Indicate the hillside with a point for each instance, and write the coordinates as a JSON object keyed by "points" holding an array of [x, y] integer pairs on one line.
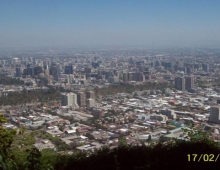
{"points": [[199, 152]]}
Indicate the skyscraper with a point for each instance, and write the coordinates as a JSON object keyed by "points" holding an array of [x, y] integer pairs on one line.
{"points": [[205, 67], [30, 70], [55, 72], [18, 72], [214, 114], [189, 82], [180, 83], [68, 69]]}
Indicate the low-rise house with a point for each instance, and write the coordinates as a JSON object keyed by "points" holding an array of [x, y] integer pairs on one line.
{"points": [[56, 132]]}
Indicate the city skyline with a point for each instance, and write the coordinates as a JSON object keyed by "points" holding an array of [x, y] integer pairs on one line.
{"points": [[109, 23]]}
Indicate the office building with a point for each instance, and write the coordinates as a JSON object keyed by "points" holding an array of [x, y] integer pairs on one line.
{"points": [[125, 77], [55, 72], [18, 72], [214, 114], [130, 76], [87, 70], [205, 67], [189, 82], [180, 83], [138, 76], [30, 70], [68, 69], [189, 70], [38, 70]]}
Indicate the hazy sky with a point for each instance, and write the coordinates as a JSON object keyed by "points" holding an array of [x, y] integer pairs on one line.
{"points": [[29, 23]]}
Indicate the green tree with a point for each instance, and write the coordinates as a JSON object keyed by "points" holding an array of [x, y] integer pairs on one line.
{"points": [[22, 130], [122, 142], [33, 159], [6, 138]]}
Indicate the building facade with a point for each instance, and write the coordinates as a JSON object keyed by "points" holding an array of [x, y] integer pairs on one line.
{"points": [[180, 83], [214, 114]]}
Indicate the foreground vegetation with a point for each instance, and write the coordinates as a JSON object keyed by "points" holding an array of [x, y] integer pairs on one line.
{"points": [[168, 155]]}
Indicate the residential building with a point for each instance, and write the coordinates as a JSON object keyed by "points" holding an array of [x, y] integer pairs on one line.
{"points": [[90, 94], [81, 98], [69, 99], [90, 102]]}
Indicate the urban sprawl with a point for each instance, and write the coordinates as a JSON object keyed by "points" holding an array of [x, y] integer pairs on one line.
{"points": [[93, 98]]}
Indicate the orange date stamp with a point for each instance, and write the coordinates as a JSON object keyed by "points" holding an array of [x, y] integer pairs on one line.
{"points": [[202, 157]]}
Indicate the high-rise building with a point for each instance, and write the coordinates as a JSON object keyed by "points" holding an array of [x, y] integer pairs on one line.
{"points": [[113, 79], [64, 99], [30, 70], [69, 99], [108, 74], [205, 67], [214, 114], [131, 61], [95, 65], [157, 63], [38, 70], [167, 64], [189, 82], [189, 70], [69, 79], [125, 77], [90, 94], [139, 76], [68, 69], [18, 72], [148, 77], [180, 83], [81, 98], [183, 69], [169, 113], [87, 70], [130, 76], [55, 72], [197, 66], [90, 102]]}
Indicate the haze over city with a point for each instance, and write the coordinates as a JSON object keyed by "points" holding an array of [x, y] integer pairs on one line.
{"points": [[106, 84], [40, 23]]}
